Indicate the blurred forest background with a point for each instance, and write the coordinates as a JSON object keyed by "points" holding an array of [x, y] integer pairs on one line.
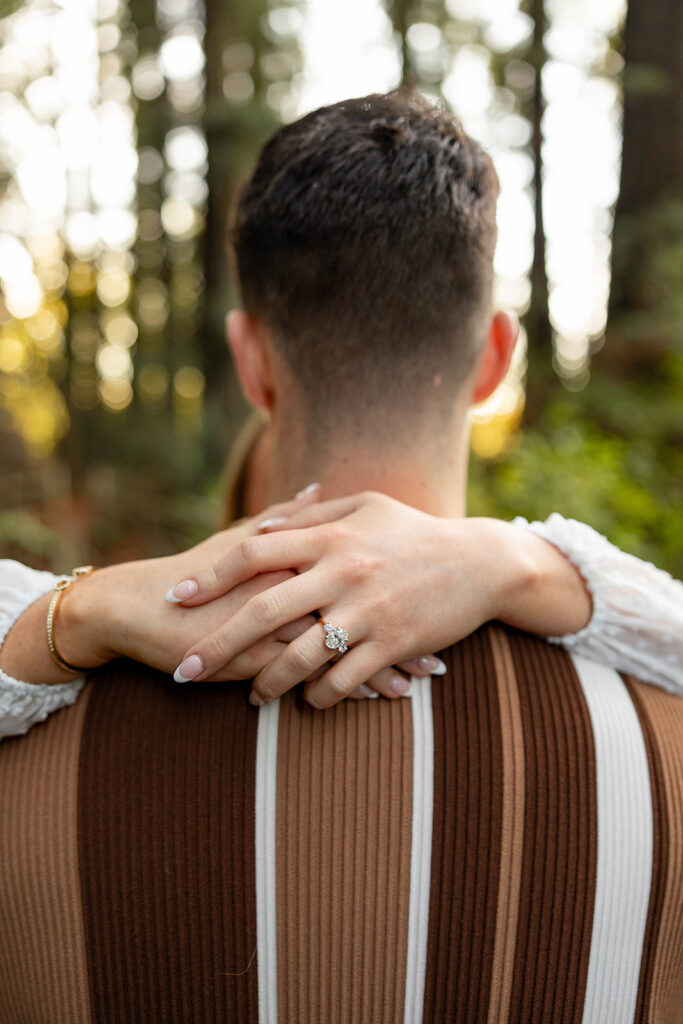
{"points": [[125, 129]]}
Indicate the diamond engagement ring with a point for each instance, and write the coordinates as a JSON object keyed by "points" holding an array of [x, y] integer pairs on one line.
{"points": [[336, 638]]}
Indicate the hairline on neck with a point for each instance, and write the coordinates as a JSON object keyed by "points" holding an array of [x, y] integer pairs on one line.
{"points": [[419, 465]]}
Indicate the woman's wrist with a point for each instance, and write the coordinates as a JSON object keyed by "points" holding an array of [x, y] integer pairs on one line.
{"points": [[543, 592], [89, 625], [497, 569], [25, 654]]}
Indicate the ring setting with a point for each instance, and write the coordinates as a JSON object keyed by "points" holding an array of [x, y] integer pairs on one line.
{"points": [[336, 638]]}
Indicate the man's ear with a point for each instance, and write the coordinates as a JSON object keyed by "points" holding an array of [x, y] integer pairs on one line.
{"points": [[495, 359], [249, 342]]}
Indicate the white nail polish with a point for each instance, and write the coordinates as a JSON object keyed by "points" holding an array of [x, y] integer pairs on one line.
{"points": [[182, 591], [277, 521], [430, 665], [192, 665], [306, 491]]}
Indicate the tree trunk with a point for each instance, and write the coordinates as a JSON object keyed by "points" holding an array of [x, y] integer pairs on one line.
{"points": [[220, 175], [398, 12], [234, 134], [540, 378], [651, 181], [652, 153]]}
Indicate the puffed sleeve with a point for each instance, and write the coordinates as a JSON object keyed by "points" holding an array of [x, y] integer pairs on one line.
{"points": [[637, 621], [24, 704]]}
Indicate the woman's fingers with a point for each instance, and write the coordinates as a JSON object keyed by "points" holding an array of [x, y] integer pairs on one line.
{"points": [[260, 616], [392, 682], [254, 555], [425, 665], [389, 682], [348, 673], [291, 630], [362, 693], [300, 659], [285, 509], [304, 658], [313, 515], [203, 585], [248, 664]]}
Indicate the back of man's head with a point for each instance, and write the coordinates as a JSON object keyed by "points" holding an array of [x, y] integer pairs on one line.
{"points": [[364, 240]]}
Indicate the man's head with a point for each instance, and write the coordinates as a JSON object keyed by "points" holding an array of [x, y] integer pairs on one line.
{"points": [[364, 243]]}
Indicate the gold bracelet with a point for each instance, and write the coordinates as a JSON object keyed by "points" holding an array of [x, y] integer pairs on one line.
{"points": [[61, 586]]}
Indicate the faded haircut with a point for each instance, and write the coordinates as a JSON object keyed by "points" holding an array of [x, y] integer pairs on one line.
{"points": [[364, 239]]}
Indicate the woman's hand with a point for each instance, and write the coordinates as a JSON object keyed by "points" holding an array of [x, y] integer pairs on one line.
{"points": [[398, 580], [115, 611]]}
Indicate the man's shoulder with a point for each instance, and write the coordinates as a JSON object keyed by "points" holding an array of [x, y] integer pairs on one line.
{"points": [[538, 673]]}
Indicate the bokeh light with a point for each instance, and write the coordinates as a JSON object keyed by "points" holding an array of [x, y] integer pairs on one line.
{"points": [[104, 206], [79, 251]]}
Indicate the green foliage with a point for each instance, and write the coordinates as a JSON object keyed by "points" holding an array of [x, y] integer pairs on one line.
{"points": [[611, 456], [22, 531]]}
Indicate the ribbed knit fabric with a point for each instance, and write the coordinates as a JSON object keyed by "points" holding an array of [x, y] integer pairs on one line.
{"points": [[43, 967], [166, 850], [504, 846], [660, 992]]}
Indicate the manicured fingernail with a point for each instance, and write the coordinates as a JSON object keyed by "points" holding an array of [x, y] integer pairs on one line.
{"points": [[254, 698], [188, 669], [306, 491], [400, 686], [365, 691], [181, 591], [432, 666], [277, 521]]}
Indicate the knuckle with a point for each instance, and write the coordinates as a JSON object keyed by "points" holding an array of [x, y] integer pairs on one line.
{"points": [[250, 551], [339, 685], [208, 580], [214, 651], [358, 567], [213, 581], [301, 659], [265, 689], [264, 607]]}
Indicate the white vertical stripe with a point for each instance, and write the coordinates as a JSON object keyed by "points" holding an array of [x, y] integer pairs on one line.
{"points": [[624, 863], [421, 851], [266, 918]]}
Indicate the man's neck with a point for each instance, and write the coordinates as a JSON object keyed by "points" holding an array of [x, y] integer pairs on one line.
{"points": [[430, 477]]}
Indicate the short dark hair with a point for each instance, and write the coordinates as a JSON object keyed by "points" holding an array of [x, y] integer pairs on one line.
{"points": [[364, 239]]}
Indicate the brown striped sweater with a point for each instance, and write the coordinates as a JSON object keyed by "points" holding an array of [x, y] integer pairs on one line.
{"points": [[503, 847]]}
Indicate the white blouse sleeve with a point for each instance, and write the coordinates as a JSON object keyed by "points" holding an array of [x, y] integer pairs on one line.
{"points": [[637, 621], [24, 704]]}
